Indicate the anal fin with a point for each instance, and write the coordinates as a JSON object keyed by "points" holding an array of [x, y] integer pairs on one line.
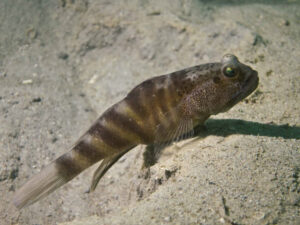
{"points": [[104, 167]]}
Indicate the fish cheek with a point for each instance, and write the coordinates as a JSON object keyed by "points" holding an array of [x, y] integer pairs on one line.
{"points": [[200, 102], [227, 95], [218, 95]]}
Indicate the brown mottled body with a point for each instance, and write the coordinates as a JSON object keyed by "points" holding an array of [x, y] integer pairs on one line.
{"points": [[157, 111]]}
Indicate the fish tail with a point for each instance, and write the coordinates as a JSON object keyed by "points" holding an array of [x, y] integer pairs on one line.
{"points": [[39, 186], [84, 154], [108, 138]]}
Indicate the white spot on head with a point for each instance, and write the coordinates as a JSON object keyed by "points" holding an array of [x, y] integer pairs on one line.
{"points": [[191, 76]]}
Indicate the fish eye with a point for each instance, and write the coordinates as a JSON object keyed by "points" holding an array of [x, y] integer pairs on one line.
{"points": [[229, 71]]}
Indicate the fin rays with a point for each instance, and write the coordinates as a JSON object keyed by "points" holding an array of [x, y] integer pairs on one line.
{"points": [[166, 135], [104, 167], [39, 186]]}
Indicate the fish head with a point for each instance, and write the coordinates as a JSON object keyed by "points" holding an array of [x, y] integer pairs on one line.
{"points": [[236, 81], [226, 84]]}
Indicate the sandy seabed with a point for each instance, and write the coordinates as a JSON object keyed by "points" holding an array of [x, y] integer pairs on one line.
{"points": [[62, 63]]}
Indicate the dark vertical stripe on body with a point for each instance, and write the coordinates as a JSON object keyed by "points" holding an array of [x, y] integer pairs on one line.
{"points": [[109, 137], [150, 100], [172, 92], [162, 106], [161, 100], [135, 101], [67, 167], [126, 123], [90, 152]]}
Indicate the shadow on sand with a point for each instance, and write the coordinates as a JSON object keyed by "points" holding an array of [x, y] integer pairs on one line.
{"points": [[244, 2], [226, 127]]}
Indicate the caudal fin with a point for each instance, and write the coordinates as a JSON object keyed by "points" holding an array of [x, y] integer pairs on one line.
{"points": [[87, 151], [65, 168], [39, 186]]}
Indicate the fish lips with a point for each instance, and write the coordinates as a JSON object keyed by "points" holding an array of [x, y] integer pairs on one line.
{"points": [[249, 85], [247, 88]]}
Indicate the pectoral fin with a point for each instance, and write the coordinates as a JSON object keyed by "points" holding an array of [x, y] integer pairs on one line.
{"points": [[165, 135]]}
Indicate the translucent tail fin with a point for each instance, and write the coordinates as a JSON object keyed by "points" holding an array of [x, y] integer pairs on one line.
{"points": [[39, 186]]}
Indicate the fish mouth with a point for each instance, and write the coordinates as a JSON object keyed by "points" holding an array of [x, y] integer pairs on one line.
{"points": [[247, 88], [249, 85]]}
